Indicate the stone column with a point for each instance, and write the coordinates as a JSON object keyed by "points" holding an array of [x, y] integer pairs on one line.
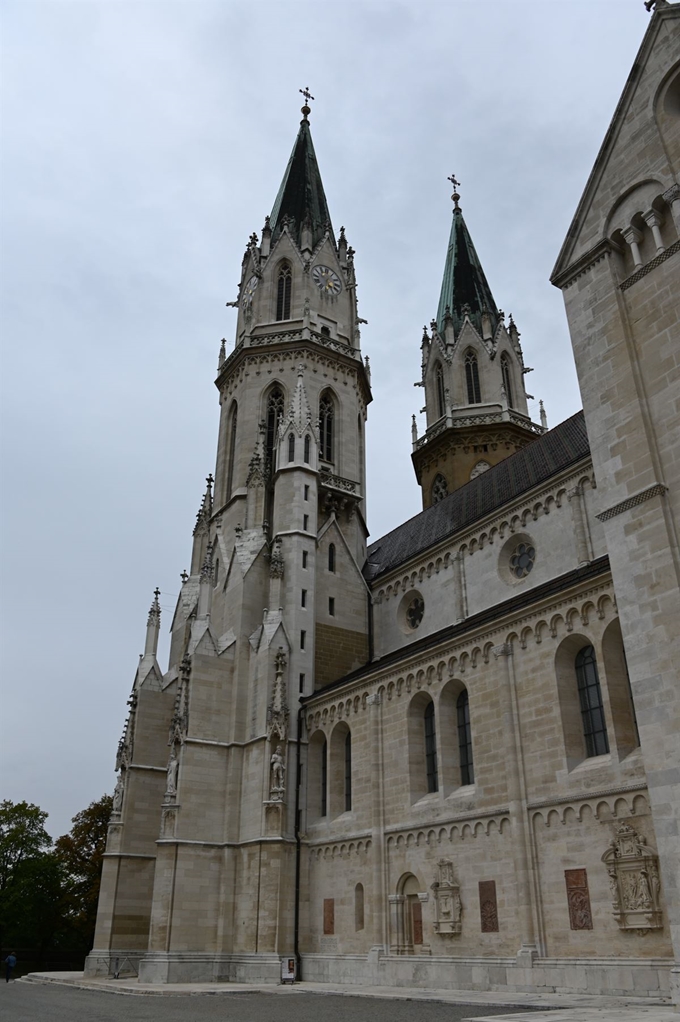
{"points": [[397, 923], [518, 810], [379, 906], [654, 221], [633, 238], [672, 197], [583, 551]]}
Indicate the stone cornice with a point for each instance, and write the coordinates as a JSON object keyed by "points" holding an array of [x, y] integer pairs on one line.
{"points": [[566, 277]]}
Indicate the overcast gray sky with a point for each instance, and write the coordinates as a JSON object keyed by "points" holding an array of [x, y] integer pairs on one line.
{"points": [[141, 144]]}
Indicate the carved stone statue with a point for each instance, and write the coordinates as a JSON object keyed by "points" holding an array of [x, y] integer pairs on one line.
{"points": [[118, 793], [173, 770], [278, 774]]}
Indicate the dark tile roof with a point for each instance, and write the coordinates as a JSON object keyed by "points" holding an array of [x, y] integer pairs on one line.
{"points": [[464, 285], [301, 194], [538, 461]]}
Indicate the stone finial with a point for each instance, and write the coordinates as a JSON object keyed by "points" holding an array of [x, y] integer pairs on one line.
{"points": [[456, 186], [544, 417], [223, 353], [184, 577]]}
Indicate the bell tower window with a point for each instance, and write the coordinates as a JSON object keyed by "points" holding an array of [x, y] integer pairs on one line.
{"points": [[326, 415], [441, 397], [474, 393], [507, 380], [283, 291]]}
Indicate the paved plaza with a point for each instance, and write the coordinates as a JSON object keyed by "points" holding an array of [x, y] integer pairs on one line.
{"points": [[67, 997]]}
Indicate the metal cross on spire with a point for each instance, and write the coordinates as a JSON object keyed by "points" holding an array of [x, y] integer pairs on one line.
{"points": [[456, 185], [306, 110]]}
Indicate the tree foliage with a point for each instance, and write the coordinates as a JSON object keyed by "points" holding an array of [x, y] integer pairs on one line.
{"points": [[48, 896]]}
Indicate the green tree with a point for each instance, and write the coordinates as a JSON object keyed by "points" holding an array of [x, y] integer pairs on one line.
{"points": [[80, 854], [22, 836]]}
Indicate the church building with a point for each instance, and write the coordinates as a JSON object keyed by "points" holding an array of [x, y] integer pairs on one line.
{"points": [[448, 757]]}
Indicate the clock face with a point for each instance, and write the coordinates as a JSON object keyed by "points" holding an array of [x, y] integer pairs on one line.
{"points": [[249, 290], [327, 280]]}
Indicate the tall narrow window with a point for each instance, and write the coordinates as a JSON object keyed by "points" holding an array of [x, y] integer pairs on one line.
{"points": [[474, 393], [348, 772], [304, 558], [324, 778], [274, 415], [359, 907], [331, 557], [283, 292], [326, 427], [431, 749], [507, 380], [303, 637], [467, 770], [439, 383], [303, 598], [232, 449], [307, 452], [592, 710], [216, 571], [331, 606], [291, 447]]}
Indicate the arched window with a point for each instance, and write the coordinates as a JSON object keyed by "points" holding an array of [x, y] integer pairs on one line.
{"points": [[439, 384], [474, 393], [307, 448], [232, 449], [467, 771], [324, 778], [331, 557], [507, 380], [440, 488], [348, 772], [430, 749], [359, 907], [592, 710], [291, 447], [274, 416], [283, 291], [326, 413]]}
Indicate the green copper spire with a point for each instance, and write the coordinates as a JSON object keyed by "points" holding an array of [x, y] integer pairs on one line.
{"points": [[464, 283], [301, 196]]}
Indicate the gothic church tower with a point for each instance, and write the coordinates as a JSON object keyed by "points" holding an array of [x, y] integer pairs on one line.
{"points": [[473, 377], [200, 873]]}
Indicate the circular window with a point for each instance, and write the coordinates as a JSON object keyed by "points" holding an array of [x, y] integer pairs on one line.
{"points": [[411, 611], [517, 558], [522, 560]]}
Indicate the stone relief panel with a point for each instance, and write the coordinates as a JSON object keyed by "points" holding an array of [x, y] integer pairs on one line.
{"points": [[448, 908], [633, 871], [578, 899]]}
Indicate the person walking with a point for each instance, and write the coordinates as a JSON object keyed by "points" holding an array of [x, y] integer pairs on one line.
{"points": [[10, 962]]}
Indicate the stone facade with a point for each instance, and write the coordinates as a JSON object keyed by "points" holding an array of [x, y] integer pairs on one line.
{"points": [[449, 758]]}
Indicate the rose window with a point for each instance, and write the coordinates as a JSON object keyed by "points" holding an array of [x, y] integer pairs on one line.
{"points": [[439, 489], [415, 611], [522, 560]]}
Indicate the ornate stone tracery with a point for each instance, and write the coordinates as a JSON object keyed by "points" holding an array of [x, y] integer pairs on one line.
{"points": [[634, 883]]}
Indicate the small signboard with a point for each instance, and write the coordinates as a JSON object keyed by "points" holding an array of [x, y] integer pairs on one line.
{"points": [[288, 970]]}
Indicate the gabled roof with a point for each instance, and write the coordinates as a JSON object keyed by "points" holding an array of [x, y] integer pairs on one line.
{"points": [[536, 463], [464, 282], [662, 13], [301, 194]]}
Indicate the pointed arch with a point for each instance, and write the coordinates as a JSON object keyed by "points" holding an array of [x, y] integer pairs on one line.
{"points": [[439, 389], [233, 424], [291, 447], [474, 393], [331, 557], [274, 409], [284, 288], [506, 373], [327, 426]]}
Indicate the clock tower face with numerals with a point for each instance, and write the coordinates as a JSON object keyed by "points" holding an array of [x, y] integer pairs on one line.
{"points": [[327, 280], [249, 290]]}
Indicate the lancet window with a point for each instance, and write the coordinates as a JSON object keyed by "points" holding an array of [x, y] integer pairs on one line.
{"points": [[507, 379], [324, 778], [467, 770], [274, 415], [431, 749], [592, 710], [284, 287], [331, 557], [308, 447], [348, 772], [439, 384], [474, 393], [326, 417], [233, 421]]}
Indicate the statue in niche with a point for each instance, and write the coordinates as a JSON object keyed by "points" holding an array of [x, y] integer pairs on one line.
{"points": [[448, 908], [634, 884], [118, 793], [278, 775], [173, 770]]}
